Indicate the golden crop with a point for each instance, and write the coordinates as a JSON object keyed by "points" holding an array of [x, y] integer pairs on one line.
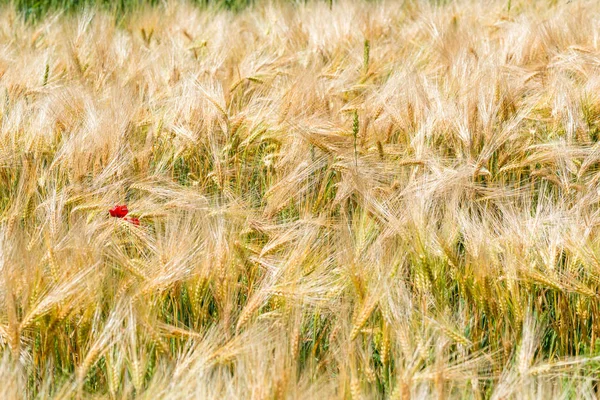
{"points": [[336, 200]]}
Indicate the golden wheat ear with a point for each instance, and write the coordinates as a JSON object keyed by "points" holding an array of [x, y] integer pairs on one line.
{"points": [[325, 199]]}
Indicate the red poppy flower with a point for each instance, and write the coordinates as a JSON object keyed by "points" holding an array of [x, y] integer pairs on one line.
{"points": [[134, 221], [118, 211]]}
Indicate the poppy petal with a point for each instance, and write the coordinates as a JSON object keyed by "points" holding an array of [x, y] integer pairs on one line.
{"points": [[118, 211], [134, 221]]}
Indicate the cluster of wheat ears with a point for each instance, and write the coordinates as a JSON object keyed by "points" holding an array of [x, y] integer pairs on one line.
{"points": [[338, 200]]}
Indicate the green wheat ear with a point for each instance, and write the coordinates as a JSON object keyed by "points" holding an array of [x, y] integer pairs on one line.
{"points": [[46, 74], [366, 54], [355, 129]]}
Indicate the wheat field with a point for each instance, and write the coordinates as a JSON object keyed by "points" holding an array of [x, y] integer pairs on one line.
{"points": [[327, 200]]}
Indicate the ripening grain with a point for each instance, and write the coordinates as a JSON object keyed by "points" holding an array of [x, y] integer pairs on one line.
{"points": [[369, 200]]}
